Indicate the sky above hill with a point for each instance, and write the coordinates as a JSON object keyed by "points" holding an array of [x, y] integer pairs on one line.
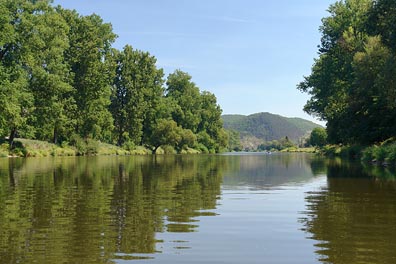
{"points": [[250, 53]]}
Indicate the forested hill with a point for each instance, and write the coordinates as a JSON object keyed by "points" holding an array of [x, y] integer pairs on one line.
{"points": [[261, 127]]}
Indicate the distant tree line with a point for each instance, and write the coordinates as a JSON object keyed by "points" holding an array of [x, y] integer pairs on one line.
{"points": [[353, 82], [62, 81], [276, 145]]}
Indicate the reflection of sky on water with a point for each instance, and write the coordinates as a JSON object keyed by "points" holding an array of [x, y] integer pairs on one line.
{"points": [[269, 171]]}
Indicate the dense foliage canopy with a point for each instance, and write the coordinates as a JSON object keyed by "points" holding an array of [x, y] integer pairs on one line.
{"points": [[353, 82], [62, 81]]}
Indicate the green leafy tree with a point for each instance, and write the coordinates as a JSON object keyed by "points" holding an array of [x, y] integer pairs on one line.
{"points": [[50, 77], [318, 137], [186, 96], [234, 140], [211, 121], [88, 57], [136, 95], [196, 111], [16, 99], [166, 132], [332, 77], [16, 102], [374, 94], [188, 140], [382, 21]]}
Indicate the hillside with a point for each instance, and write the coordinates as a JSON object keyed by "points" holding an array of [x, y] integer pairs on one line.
{"points": [[260, 127]]}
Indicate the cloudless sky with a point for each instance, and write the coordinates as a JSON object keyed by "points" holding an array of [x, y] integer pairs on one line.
{"points": [[250, 53]]}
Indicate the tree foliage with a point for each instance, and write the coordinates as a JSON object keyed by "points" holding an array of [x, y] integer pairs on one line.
{"points": [[61, 80], [318, 137], [136, 94], [352, 83], [276, 145]]}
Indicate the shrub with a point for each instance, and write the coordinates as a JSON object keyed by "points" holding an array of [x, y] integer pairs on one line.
{"points": [[4, 150], [129, 145], [92, 147], [202, 148], [392, 153], [169, 149], [351, 151], [380, 153], [368, 154]]}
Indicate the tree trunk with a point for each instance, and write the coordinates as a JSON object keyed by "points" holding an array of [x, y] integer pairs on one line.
{"points": [[55, 139], [154, 150], [11, 138]]}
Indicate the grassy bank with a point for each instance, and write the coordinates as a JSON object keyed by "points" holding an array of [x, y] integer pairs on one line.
{"points": [[383, 153], [36, 148], [300, 150]]}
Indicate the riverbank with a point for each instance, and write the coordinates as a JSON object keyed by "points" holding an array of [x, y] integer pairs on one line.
{"points": [[383, 153], [36, 148]]}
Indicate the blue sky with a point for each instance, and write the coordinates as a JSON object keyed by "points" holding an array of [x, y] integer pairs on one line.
{"points": [[250, 53]]}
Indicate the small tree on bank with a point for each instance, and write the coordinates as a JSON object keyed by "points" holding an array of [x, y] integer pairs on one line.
{"points": [[318, 137]]}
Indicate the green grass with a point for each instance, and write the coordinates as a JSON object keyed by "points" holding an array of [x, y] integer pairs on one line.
{"points": [[37, 148], [303, 150], [4, 152], [80, 147]]}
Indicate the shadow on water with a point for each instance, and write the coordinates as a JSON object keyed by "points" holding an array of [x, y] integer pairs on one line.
{"points": [[352, 218]]}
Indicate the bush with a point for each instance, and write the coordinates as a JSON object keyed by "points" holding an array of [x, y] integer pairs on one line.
{"points": [[331, 150], [368, 154], [169, 149], [129, 145], [392, 153], [79, 144], [202, 148], [354, 151], [380, 153], [92, 147], [4, 150], [84, 147], [190, 151]]}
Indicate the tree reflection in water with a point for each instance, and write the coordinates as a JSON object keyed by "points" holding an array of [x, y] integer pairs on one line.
{"points": [[94, 209], [353, 218]]}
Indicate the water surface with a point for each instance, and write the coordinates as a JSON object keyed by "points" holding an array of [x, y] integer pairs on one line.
{"points": [[280, 208]]}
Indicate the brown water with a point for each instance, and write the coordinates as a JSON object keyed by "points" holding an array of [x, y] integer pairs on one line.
{"points": [[291, 208]]}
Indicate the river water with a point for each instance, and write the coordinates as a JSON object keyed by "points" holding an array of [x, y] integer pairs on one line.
{"points": [[232, 208]]}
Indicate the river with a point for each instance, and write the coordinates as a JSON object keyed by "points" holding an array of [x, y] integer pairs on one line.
{"points": [[230, 208]]}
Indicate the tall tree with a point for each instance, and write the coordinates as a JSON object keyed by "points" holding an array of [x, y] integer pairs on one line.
{"points": [[89, 49], [136, 94], [374, 94], [343, 34], [211, 122], [16, 100], [186, 96], [49, 74], [382, 20]]}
